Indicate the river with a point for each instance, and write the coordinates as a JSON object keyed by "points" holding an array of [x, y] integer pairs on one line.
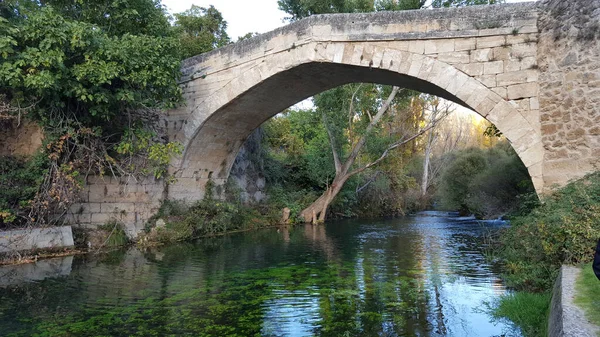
{"points": [[423, 275]]}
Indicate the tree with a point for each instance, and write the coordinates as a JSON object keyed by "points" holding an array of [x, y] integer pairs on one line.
{"points": [[435, 108], [201, 30], [345, 167], [94, 74], [299, 9]]}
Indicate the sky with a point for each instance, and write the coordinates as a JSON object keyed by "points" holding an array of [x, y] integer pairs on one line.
{"points": [[243, 16]]}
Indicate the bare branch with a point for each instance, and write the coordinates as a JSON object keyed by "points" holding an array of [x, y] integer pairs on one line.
{"points": [[372, 179], [397, 144], [361, 142], [336, 158]]}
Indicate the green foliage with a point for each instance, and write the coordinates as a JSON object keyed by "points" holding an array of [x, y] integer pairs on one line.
{"points": [[563, 230], [116, 234], [299, 9], [528, 311], [587, 294], [139, 140], [208, 217], [486, 183], [19, 181], [71, 67], [201, 30]]}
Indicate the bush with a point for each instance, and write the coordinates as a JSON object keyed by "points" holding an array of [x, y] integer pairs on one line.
{"points": [[563, 230], [486, 183], [208, 217], [20, 179], [116, 234]]}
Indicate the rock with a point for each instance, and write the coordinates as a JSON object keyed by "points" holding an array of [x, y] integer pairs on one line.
{"points": [[285, 218], [160, 223]]}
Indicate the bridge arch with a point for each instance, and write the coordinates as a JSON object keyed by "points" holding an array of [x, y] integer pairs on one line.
{"points": [[218, 126]]}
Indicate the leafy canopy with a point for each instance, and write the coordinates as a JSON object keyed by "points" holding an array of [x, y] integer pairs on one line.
{"points": [[72, 63], [201, 30]]}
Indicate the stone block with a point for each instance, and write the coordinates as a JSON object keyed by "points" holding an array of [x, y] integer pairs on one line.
{"points": [[524, 50], [101, 218], [512, 66], [501, 53], [457, 82], [460, 57], [487, 80], [426, 68], [35, 238], [416, 46], [465, 44], [471, 69], [481, 55], [534, 103], [415, 65], [516, 77], [501, 91], [490, 68], [438, 46], [523, 90], [490, 42]]}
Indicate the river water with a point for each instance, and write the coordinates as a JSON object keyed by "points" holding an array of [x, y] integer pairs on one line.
{"points": [[424, 275]]}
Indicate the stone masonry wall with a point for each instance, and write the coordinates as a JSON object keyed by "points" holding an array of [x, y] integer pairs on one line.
{"points": [[130, 202], [569, 60], [247, 171]]}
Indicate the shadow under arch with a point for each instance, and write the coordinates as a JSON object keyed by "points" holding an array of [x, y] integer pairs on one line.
{"points": [[260, 93]]}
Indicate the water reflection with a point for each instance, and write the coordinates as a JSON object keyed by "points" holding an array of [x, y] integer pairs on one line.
{"points": [[417, 276]]}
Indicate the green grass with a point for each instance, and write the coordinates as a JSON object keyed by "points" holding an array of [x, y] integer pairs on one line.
{"points": [[528, 311], [587, 295]]}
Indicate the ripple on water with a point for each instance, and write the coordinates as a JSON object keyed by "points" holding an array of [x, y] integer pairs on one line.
{"points": [[424, 275]]}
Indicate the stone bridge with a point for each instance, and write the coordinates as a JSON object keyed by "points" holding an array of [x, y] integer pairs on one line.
{"points": [[532, 69]]}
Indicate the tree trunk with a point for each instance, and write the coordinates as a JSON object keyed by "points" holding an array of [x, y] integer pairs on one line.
{"points": [[317, 211], [425, 180]]}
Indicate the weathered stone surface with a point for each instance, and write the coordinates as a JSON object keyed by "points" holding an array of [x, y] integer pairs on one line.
{"points": [[568, 53], [566, 319], [36, 238], [22, 139]]}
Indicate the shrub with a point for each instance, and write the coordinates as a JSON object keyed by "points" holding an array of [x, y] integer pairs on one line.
{"points": [[116, 234], [563, 230], [19, 182], [486, 183]]}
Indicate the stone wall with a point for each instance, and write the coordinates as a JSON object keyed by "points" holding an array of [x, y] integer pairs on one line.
{"points": [[131, 202], [22, 140], [565, 318], [35, 238], [247, 172], [569, 60]]}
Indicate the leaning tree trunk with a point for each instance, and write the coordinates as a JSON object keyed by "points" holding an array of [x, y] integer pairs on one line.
{"points": [[317, 211]]}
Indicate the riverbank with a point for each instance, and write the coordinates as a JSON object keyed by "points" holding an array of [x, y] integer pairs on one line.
{"points": [[563, 230]]}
